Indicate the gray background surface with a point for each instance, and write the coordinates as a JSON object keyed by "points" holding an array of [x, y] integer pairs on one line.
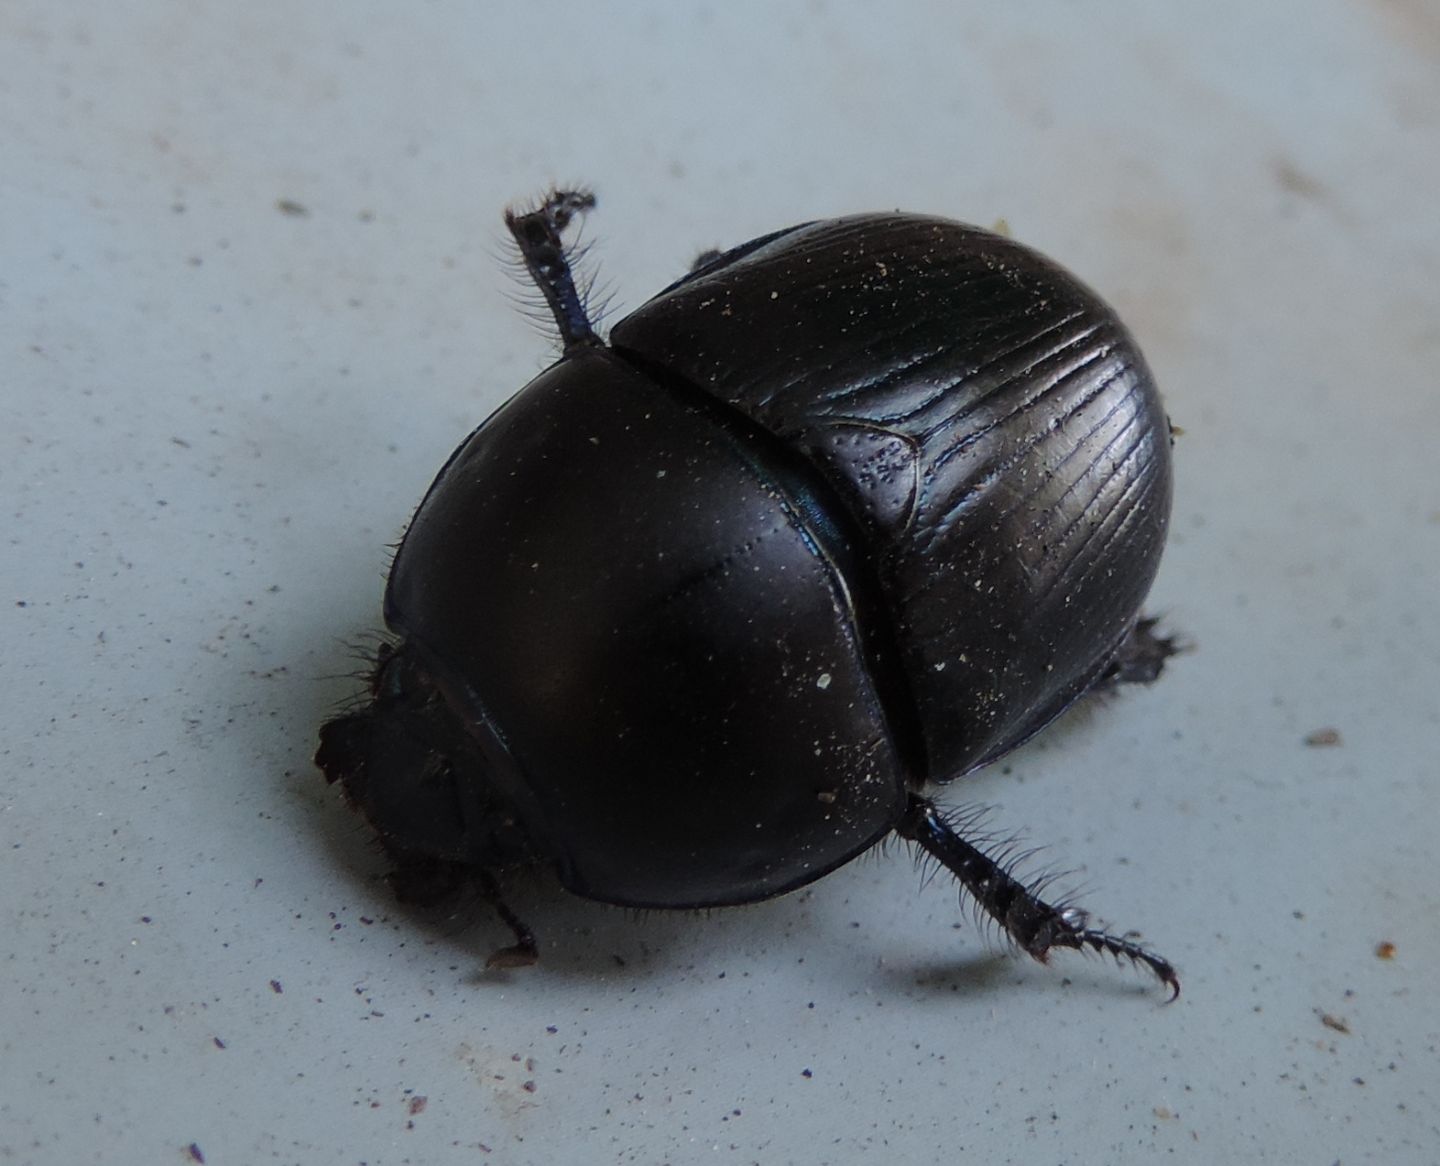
{"points": [[252, 294]]}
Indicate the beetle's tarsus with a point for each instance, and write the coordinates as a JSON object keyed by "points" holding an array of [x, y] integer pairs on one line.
{"points": [[1142, 656], [1125, 949], [1035, 925], [538, 235], [523, 953], [515, 956]]}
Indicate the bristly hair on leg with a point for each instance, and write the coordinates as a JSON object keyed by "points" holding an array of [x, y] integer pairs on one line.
{"points": [[969, 822], [527, 300], [367, 656], [1008, 853], [550, 262], [1030, 922]]}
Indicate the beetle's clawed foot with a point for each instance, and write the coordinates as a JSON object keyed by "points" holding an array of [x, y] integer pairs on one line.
{"points": [[1142, 656], [1035, 925], [517, 955], [553, 212], [1075, 934]]}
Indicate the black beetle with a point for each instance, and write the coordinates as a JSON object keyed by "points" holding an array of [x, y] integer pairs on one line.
{"points": [[695, 616]]}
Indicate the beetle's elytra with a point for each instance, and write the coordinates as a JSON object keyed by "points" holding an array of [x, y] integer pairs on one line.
{"points": [[696, 616]]}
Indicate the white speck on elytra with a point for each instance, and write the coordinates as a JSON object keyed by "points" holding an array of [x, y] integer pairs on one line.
{"points": [[823, 680]]}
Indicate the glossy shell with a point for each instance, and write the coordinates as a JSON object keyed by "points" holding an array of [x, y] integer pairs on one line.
{"points": [[661, 652], [856, 506], [984, 417]]}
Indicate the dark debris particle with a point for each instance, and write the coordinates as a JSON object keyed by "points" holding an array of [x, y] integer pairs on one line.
{"points": [[196, 1154], [1323, 737], [276, 987], [219, 1044], [1385, 950], [418, 1104], [529, 1086], [806, 1073], [288, 206], [1335, 1022]]}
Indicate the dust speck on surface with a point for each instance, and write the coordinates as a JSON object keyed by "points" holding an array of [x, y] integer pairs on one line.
{"points": [[1335, 1022], [194, 1152], [288, 206], [1294, 180], [1385, 950], [1323, 737], [418, 1104]]}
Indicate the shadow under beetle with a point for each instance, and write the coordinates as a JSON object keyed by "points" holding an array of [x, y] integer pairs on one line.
{"points": [[696, 615]]}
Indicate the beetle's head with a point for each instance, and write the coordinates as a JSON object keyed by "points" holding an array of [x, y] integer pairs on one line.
{"points": [[405, 764]]}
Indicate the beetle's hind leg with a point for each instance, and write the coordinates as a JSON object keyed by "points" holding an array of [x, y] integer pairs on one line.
{"points": [[1141, 657], [1034, 924]]}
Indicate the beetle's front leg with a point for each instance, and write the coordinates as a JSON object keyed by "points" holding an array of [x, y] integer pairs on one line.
{"points": [[522, 953], [538, 234]]}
